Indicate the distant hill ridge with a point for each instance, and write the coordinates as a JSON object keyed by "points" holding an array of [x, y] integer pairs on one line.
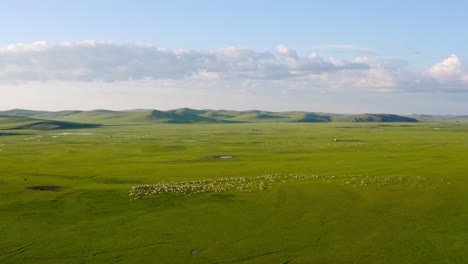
{"points": [[191, 116], [22, 122], [376, 118]]}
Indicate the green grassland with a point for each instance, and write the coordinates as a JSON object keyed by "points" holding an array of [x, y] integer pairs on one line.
{"points": [[344, 216]]}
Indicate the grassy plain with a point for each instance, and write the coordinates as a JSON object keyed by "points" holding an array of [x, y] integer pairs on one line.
{"points": [[90, 219]]}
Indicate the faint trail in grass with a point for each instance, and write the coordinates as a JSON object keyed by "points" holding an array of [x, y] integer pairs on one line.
{"points": [[322, 223], [249, 257], [19, 250], [429, 245], [136, 247], [88, 256], [60, 257], [54, 175]]}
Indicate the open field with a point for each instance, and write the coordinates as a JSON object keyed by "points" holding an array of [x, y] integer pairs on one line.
{"points": [[382, 193]]}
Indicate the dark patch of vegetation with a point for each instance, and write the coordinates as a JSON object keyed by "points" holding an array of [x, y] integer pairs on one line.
{"points": [[9, 134], [181, 116], [52, 125], [312, 117], [268, 116], [187, 111], [375, 118], [44, 188]]}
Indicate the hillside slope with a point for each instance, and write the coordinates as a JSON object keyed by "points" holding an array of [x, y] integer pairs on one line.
{"points": [[190, 116], [374, 118]]}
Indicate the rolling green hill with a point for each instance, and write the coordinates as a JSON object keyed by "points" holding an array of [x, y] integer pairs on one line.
{"points": [[56, 115], [9, 121], [255, 117], [22, 112], [310, 117], [51, 125], [182, 116], [435, 118], [190, 116], [187, 111], [375, 118], [22, 122]]}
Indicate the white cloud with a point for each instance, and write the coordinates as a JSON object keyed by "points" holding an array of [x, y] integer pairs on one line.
{"points": [[285, 51], [106, 61], [449, 70], [205, 75]]}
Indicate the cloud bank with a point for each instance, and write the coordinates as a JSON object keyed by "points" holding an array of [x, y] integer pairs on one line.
{"points": [[106, 61]]}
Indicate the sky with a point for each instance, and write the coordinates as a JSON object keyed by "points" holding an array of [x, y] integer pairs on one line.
{"points": [[399, 57]]}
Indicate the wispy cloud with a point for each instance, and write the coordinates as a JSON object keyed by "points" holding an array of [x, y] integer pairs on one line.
{"points": [[284, 68], [108, 61]]}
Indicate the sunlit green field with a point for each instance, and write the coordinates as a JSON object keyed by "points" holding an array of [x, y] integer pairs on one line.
{"points": [[332, 219]]}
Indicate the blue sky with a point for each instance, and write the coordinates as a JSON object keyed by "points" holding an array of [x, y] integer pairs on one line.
{"points": [[335, 56]]}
